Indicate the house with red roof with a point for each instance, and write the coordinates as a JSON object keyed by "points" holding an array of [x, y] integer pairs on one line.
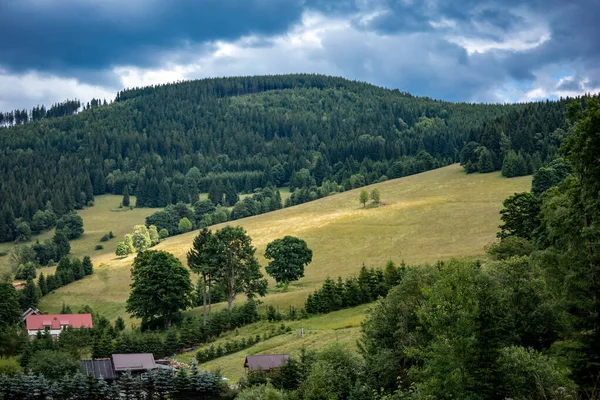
{"points": [[55, 323]]}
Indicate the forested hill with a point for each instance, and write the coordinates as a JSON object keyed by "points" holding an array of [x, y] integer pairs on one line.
{"points": [[168, 143]]}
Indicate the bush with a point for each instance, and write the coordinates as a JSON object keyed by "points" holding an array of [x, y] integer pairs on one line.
{"points": [[510, 246], [261, 392], [3, 253], [528, 374], [163, 234], [9, 366], [106, 237], [53, 364], [99, 247]]}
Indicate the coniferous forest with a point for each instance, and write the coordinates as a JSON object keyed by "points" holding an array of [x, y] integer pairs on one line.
{"points": [[166, 144]]}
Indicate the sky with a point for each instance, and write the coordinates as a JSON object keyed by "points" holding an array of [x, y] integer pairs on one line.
{"points": [[456, 50]]}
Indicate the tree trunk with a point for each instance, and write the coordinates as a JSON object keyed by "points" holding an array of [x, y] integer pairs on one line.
{"points": [[229, 302], [209, 299], [204, 304]]}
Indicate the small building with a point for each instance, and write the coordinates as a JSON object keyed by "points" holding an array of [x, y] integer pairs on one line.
{"points": [[55, 323], [265, 362], [136, 363], [99, 369]]}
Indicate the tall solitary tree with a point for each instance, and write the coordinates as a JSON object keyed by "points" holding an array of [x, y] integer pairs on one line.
{"points": [[126, 201], [363, 197], [161, 286], [375, 196], [199, 261], [10, 313], [238, 269], [288, 257]]}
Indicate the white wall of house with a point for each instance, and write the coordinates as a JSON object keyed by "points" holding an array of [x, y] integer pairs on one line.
{"points": [[53, 332]]}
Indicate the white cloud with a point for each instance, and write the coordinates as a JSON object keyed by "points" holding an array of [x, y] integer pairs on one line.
{"points": [[30, 89]]}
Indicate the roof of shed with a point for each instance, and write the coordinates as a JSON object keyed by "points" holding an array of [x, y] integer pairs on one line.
{"points": [[133, 362], [265, 362], [99, 368]]}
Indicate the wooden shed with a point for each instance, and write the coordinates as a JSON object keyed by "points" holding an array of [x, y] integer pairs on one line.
{"points": [[265, 362]]}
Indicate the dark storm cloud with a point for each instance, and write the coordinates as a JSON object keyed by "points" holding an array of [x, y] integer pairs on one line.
{"points": [[78, 35], [428, 47]]}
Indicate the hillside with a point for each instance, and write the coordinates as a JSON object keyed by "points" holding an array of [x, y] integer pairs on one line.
{"points": [[167, 144], [426, 217]]}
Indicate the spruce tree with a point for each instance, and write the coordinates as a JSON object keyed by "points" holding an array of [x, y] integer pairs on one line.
{"points": [[10, 313], [42, 284], [231, 194], [126, 201], [30, 295], [171, 345], [88, 267], [182, 385]]}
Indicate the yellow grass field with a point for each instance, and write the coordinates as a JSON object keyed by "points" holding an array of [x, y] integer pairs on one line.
{"points": [[434, 215], [98, 220]]}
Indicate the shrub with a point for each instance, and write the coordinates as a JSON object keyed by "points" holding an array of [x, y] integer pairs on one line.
{"points": [[163, 233], [99, 247], [53, 364], [105, 238], [3, 253], [9, 366], [260, 392]]}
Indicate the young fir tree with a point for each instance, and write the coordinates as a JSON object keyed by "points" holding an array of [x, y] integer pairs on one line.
{"points": [[126, 201], [42, 284], [88, 267]]}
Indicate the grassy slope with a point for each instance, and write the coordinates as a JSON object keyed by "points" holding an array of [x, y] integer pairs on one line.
{"points": [[98, 220], [341, 327], [435, 215]]}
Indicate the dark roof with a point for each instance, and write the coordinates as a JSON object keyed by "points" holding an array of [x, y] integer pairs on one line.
{"points": [[265, 362], [133, 362], [99, 368]]}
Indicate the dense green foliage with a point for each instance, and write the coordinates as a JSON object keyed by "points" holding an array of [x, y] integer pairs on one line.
{"points": [[154, 384], [367, 287], [166, 144], [226, 258], [10, 313], [287, 257], [161, 287]]}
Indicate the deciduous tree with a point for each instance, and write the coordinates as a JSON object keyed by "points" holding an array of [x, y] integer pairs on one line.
{"points": [[287, 259], [161, 286]]}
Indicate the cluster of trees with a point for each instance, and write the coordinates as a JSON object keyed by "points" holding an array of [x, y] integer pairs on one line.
{"points": [[19, 117], [67, 271], [181, 218], [189, 332], [18, 229], [353, 291], [141, 239], [235, 345], [364, 196], [154, 384], [164, 148]]}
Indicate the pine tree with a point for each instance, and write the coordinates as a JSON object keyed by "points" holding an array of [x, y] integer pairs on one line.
{"points": [[88, 267], [129, 386], [42, 284], [126, 201], [231, 194], [164, 383], [30, 295], [182, 385], [171, 345]]}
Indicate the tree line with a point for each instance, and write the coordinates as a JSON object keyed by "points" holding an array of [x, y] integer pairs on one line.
{"points": [[167, 143]]}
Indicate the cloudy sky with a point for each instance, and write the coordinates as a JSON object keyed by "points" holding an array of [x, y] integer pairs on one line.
{"points": [[459, 50]]}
